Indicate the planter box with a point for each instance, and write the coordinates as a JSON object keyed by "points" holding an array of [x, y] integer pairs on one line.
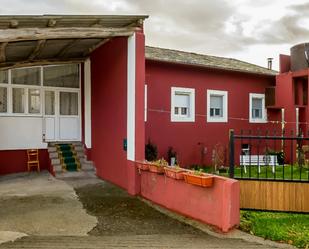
{"points": [[175, 173], [203, 180], [156, 169], [143, 166]]}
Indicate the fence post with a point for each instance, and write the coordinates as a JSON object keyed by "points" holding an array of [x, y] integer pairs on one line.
{"points": [[231, 145]]}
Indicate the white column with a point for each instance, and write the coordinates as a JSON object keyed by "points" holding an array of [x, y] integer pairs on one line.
{"points": [[87, 102], [131, 98]]}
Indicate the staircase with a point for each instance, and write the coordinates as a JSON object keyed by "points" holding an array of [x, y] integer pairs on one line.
{"points": [[68, 157]]}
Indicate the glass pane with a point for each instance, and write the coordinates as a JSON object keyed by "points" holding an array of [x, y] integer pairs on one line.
{"points": [[68, 103], [3, 99], [61, 76], [18, 100], [257, 113], [3, 76], [257, 103], [26, 76], [34, 101], [49, 103]]}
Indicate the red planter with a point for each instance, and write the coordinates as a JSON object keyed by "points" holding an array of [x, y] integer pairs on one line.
{"points": [[175, 173], [143, 165], [156, 169], [203, 180]]}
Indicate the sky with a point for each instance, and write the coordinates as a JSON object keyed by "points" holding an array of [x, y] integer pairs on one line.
{"points": [[249, 30]]}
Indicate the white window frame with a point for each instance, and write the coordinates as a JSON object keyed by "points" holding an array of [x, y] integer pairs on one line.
{"points": [[264, 113], [9, 86], [224, 117], [182, 118]]}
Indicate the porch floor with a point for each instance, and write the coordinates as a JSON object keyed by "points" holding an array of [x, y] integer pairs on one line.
{"points": [[82, 211]]}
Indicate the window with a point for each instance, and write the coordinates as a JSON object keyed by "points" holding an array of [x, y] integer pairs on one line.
{"points": [[18, 100], [3, 100], [217, 106], [49, 103], [257, 112], [34, 101], [182, 104], [26, 76], [68, 103], [62, 76]]}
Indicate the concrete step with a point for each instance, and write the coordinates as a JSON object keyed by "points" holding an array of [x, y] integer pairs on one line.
{"points": [[88, 166], [52, 149], [79, 148], [53, 155], [55, 161], [57, 168]]}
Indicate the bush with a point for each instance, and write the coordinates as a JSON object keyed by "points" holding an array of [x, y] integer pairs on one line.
{"points": [[151, 151]]}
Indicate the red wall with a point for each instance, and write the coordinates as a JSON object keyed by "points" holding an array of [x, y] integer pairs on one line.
{"points": [[15, 161], [188, 138], [108, 102], [217, 205]]}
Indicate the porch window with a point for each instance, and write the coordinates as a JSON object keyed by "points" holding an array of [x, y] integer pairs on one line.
{"points": [[217, 107], [26, 76], [182, 106], [49, 103], [4, 77], [34, 101], [68, 103], [61, 76], [257, 111], [3, 100], [18, 100]]}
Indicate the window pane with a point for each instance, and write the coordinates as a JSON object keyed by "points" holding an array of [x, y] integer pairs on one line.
{"points": [[216, 102], [18, 100], [3, 76], [257, 113], [184, 111], [49, 103], [34, 101], [68, 103], [26, 76], [257, 103], [3, 99], [176, 110], [61, 76]]}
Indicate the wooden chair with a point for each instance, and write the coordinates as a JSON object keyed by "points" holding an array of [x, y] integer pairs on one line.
{"points": [[33, 159]]}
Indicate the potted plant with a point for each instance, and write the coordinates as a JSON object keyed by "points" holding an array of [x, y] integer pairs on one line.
{"points": [[158, 166], [142, 165], [151, 151], [198, 178], [171, 154], [174, 172]]}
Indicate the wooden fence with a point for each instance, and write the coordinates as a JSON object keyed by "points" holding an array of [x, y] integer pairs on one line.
{"points": [[274, 195]]}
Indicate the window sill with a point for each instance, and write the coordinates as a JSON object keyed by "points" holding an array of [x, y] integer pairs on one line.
{"points": [[182, 119], [216, 120], [257, 121]]}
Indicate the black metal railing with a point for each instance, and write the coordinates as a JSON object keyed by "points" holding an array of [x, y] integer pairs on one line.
{"points": [[269, 155]]}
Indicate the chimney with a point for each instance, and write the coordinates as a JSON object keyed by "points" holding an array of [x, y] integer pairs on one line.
{"points": [[270, 63]]}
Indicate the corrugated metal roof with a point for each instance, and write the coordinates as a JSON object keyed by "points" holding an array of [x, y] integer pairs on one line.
{"points": [[194, 59]]}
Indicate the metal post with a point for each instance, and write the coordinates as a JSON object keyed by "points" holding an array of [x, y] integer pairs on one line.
{"points": [[231, 171]]}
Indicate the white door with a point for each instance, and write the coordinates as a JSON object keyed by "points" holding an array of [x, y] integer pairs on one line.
{"points": [[62, 115]]}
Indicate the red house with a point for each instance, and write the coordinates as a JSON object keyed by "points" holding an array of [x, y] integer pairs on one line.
{"points": [[194, 100]]}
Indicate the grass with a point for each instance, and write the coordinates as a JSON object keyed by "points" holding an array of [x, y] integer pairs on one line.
{"points": [[284, 227], [287, 172]]}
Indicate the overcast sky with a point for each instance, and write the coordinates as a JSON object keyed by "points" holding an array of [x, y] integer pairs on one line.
{"points": [[250, 30]]}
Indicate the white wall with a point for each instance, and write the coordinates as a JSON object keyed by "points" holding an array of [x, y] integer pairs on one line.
{"points": [[21, 133]]}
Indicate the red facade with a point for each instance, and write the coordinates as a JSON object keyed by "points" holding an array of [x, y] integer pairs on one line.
{"points": [[195, 141]]}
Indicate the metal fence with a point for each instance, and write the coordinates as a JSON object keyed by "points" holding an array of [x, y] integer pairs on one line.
{"points": [[269, 155]]}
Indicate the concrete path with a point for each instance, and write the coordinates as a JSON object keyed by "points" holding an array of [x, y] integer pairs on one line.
{"points": [[82, 211]]}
